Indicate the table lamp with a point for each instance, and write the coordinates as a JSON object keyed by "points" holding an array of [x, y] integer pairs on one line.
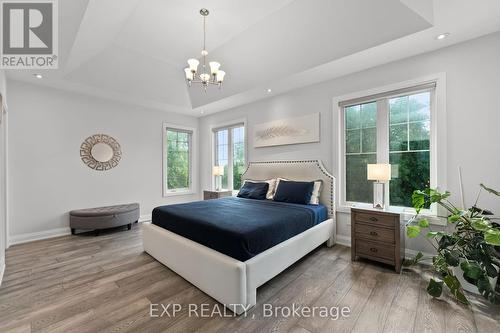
{"points": [[380, 173], [218, 172]]}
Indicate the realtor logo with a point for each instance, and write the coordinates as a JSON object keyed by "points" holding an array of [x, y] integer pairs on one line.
{"points": [[29, 34]]}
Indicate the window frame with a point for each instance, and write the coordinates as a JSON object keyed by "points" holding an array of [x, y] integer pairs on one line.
{"points": [[227, 126], [192, 163], [437, 137]]}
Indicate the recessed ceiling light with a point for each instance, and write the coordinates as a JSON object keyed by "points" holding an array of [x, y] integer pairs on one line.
{"points": [[443, 36], [269, 91], [38, 76]]}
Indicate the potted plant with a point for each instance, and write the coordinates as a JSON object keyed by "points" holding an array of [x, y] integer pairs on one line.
{"points": [[465, 251]]}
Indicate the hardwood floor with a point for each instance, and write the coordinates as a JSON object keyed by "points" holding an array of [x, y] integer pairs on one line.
{"points": [[106, 284]]}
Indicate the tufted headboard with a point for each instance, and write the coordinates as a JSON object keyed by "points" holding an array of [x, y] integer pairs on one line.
{"points": [[308, 170]]}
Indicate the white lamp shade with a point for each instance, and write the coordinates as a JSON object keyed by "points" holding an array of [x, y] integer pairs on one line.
{"points": [[218, 170], [220, 76], [214, 67], [193, 64], [189, 74], [380, 172]]}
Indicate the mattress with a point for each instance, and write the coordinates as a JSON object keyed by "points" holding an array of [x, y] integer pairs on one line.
{"points": [[240, 228]]}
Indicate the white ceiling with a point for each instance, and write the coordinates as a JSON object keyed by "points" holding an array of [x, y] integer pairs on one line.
{"points": [[134, 51]]}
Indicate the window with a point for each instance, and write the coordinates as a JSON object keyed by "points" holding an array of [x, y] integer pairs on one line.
{"points": [[390, 128], [409, 146], [229, 152], [177, 171], [361, 149]]}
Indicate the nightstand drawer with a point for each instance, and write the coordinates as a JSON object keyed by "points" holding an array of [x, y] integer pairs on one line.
{"points": [[372, 249], [374, 233], [376, 219]]}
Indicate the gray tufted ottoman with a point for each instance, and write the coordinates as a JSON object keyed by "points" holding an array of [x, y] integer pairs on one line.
{"points": [[103, 217]]}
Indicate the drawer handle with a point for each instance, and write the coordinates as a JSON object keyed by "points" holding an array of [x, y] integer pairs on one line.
{"points": [[374, 219], [373, 249], [373, 233]]}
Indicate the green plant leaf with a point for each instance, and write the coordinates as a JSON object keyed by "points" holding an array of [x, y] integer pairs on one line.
{"points": [[491, 271], [423, 223], [456, 288], [490, 190], [445, 195], [471, 270], [447, 240], [454, 218], [436, 196], [415, 260], [435, 288], [408, 262], [452, 282], [434, 234], [492, 237], [418, 200], [452, 258], [483, 285], [412, 231], [494, 298], [440, 264], [480, 224]]}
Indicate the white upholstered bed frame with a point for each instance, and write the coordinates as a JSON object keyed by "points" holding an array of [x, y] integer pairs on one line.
{"points": [[232, 282]]}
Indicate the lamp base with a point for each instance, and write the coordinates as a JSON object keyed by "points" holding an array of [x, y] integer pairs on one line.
{"points": [[218, 183], [378, 195]]}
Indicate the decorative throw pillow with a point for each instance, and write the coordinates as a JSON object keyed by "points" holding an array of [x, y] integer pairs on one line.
{"points": [[316, 190], [252, 190], [272, 186], [294, 192]]}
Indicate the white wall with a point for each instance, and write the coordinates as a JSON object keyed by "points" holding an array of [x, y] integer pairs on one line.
{"points": [[473, 116], [3, 222], [47, 176]]}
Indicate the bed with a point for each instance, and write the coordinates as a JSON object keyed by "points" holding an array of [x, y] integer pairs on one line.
{"points": [[250, 241]]}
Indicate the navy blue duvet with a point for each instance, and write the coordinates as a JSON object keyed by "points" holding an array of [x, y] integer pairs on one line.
{"points": [[240, 228]]}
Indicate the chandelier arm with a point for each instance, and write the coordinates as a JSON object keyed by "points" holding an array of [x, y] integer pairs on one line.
{"points": [[200, 81]]}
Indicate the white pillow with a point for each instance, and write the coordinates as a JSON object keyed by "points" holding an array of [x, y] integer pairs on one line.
{"points": [[271, 189], [315, 193]]}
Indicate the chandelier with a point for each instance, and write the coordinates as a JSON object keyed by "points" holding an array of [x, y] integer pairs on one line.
{"points": [[215, 76]]}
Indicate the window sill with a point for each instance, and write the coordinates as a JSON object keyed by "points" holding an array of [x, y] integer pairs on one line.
{"points": [[178, 193]]}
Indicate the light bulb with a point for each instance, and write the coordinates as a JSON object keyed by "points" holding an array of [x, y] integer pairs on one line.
{"points": [[193, 64], [205, 77], [220, 76], [214, 67]]}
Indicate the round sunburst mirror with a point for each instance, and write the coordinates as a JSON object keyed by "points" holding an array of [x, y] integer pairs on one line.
{"points": [[100, 152]]}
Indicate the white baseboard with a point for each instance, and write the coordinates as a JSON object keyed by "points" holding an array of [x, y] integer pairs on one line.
{"points": [[145, 218], [2, 270], [344, 240], [31, 237], [34, 236], [409, 253]]}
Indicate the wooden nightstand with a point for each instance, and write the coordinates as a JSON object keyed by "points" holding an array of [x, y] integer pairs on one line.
{"points": [[377, 235], [208, 195]]}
